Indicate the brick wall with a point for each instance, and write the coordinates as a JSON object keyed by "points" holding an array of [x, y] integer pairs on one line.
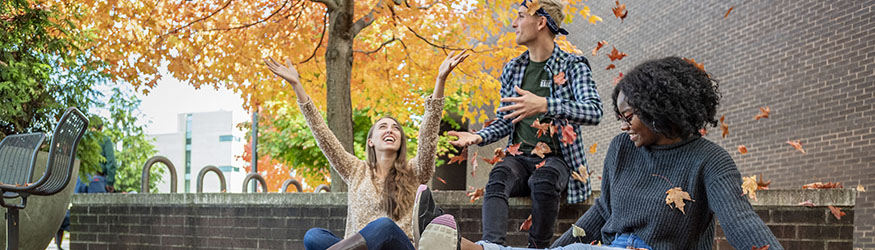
{"points": [[279, 221], [810, 61]]}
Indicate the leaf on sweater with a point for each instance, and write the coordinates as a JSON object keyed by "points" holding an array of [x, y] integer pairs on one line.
{"points": [[727, 11], [762, 184], [618, 78], [577, 231], [499, 156], [541, 149], [539, 165], [559, 78], [821, 185], [441, 180], [526, 224], [611, 66], [764, 113], [677, 196], [474, 164], [514, 149], [749, 186], [598, 46], [806, 203], [620, 11], [581, 176], [724, 126], [742, 149], [837, 212], [798, 145], [766, 247], [616, 55], [476, 194], [568, 135], [593, 148], [543, 128]]}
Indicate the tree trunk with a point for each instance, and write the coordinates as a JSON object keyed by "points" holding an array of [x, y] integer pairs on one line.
{"points": [[338, 63]]}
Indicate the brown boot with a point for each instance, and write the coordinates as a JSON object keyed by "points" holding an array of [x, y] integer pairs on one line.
{"points": [[354, 242]]}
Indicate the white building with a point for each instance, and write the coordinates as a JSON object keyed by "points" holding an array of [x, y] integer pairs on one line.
{"points": [[203, 139]]}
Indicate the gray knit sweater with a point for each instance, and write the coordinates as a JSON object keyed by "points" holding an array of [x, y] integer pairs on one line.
{"points": [[633, 200]]}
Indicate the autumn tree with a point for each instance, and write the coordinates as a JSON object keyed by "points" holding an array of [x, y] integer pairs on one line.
{"points": [[386, 52]]}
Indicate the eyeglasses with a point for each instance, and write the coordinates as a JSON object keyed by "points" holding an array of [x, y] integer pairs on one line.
{"points": [[626, 117]]}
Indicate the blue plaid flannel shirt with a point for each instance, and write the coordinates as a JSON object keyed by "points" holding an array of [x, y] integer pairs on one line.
{"points": [[576, 103]]}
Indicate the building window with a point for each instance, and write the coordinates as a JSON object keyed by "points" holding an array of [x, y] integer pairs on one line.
{"points": [[229, 169], [188, 153], [224, 138]]}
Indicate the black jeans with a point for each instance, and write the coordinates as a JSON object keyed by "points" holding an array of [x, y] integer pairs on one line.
{"points": [[517, 176]]}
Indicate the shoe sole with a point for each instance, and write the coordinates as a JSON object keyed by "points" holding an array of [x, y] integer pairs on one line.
{"points": [[438, 235], [416, 232]]}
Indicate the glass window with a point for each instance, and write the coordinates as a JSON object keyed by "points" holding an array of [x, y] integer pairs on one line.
{"points": [[224, 138]]}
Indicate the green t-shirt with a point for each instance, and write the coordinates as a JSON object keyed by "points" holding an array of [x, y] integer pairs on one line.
{"points": [[538, 81]]}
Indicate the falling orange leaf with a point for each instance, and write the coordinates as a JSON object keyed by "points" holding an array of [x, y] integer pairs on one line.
{"points": [[701, 66], [724, 126], [459, 158], [749, 186], [618, 78], [541, 149], [581, 176], [598, 46], [821, 185], [487, 123], [441, 180], [616, 55], [764, 113], [766, 247], [543, 128], [727, 12], [498, 157], [474, 164], [806, 203], [860, 188], [610, 67], [553, 129], [559, 78], [476, 194], [539, 165], [620, 11], [837, 212], [526, 224], [762, 184], [593, 148], [798, 145], [742, 149], [568, 135], [514, 149], [677, 196]]}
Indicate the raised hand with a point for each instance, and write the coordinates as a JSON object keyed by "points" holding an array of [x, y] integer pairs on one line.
{"points": [[451, 62], [287, 72], [465, 138], [525, 105]]}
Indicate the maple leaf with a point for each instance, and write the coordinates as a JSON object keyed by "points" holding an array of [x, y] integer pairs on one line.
{"points": [[798, 145], [541, 149], [610, 67], [487, 123], [476, 194], [727, 11], [703, 131], [677, 196], [526, 224], [539, 165], [620, 11], [762, 184], [724, 126], [766, 247], [742, 149], [543, 128], [514, 149], [533, 7], [568, 135], [618, 78], [459, 158], [581, 176], [806, 203], [837, 212], [474, 164], [441, 180], [553, 129], [764, 113], [498, 157], [860, 188], [593, 148], [701, 66], [616, 55], [559, 78], [598, 46], [821, 185], [577, 231], [749, 186]]}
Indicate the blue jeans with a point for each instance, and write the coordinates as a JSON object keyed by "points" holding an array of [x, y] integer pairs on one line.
{"points": [[517, 176], [622, 241], [381, 233]]}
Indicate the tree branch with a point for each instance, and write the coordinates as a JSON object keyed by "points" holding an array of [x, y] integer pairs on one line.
{"points": [[200, 19], [430, 43], [366, 20], [321, 37], [251, 24], [330, 4], [378, 48]]}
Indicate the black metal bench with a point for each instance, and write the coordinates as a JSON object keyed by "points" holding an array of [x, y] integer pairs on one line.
{"points": [[18, 158]]}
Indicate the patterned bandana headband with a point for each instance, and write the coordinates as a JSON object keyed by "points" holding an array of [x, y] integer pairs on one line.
{"points": [[540, 11]]}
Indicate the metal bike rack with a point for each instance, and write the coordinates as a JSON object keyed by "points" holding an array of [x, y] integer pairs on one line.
{"points": [[144, 182], [322, 187], [286, 184], [203, 172], [256, 176]]}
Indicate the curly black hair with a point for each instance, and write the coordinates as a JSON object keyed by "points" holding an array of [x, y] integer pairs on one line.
{"points": [[671, 96]]}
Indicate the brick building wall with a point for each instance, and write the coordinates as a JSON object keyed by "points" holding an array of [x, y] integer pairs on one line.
{"points": [[279, 221], [810, 61]]}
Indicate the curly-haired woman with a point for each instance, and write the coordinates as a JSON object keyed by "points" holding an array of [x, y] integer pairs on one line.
{"points": [[662, 104]]}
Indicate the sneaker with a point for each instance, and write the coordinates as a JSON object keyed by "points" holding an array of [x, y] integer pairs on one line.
{"points": [[440, 234], [424, 211]]}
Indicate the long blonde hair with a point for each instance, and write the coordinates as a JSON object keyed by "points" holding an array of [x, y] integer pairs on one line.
{"points": [[398, 187]]}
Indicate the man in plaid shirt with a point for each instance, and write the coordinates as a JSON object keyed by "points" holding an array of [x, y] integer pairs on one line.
{"points": [[551, 86]]}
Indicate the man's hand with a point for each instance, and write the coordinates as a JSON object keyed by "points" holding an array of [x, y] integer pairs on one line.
{"points": [[525, 105], [465, 138]]}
